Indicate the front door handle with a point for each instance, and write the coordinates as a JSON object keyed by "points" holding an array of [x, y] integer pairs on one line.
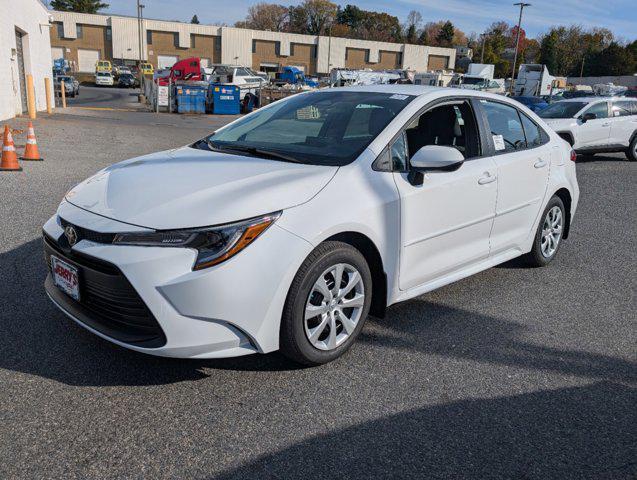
{"points": [[606, 124], [487, 178], [540, 163]]}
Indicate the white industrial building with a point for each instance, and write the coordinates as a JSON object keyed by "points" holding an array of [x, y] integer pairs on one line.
{"points": [[82, 39], [25, 49]]}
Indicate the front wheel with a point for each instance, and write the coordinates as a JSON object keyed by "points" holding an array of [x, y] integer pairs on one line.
{"points": [[631, 153], [549, 234], [327, 304]]}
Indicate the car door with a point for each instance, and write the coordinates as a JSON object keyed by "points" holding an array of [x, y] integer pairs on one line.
{"points": [[446, 220], [594, 133], [522, 160], [623, 122]]}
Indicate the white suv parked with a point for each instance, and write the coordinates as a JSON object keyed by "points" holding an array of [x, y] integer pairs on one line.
{"points": [[596, 124]]}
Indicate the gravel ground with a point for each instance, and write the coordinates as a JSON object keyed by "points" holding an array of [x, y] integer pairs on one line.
{"points": [[512, 373]]}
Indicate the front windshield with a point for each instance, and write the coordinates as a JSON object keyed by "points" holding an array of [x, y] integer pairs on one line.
{"points": [[319, 128], [562, 110], [473, 80]]}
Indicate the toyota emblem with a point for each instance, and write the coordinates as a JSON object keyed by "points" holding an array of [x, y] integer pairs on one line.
{"points": [[71, 235]]}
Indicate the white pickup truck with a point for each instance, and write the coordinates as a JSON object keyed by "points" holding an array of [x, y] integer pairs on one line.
{"points": [[596, 124]]}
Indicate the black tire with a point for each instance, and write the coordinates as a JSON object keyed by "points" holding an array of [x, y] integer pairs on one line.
{"points": [[294, 343], [535, 258], [631, 153]]}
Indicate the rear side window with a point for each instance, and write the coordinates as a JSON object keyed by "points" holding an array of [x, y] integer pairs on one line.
{"points": [[532, 131], [506, 126], [624, 108]]}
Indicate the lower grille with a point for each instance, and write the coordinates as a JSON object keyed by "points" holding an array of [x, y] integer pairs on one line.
{"points": [[108, 302]]}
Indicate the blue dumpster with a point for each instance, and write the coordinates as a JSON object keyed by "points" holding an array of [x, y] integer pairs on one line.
{"points": [[191, 98], [226, 99]]}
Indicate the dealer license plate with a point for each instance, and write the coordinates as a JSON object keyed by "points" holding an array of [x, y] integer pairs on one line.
{"points": [[65, 277]]}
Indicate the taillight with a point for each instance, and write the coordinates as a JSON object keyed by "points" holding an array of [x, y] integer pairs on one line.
{"points": [[573, 156]]}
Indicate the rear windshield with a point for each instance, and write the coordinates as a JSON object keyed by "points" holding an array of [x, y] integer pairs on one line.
{"points": [[562, 110], [320, 128]]}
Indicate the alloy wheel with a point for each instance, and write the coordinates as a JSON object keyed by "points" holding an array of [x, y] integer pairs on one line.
{"points": [[552, 231], [334, 306]]}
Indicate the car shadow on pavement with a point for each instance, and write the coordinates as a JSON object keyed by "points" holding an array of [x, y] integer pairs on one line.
{"points": [[36, 338], [568, 433], [600, 157]]}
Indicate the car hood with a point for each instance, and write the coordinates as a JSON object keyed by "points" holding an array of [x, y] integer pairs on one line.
{"points": [[560, 123], [187, 187]]}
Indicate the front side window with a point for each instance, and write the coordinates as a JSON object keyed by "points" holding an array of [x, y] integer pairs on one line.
{"points": [[562, 110], [321, 128], [450, 125], [398, 154], [506, 126], [600, 110]]}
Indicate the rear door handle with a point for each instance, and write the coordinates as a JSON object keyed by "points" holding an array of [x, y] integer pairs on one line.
{"points": [[540, 163], [605, 124], [487, 179]]}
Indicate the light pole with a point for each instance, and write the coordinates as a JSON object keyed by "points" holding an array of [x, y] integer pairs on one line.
{"points": [[141, 43], [517, 42]]}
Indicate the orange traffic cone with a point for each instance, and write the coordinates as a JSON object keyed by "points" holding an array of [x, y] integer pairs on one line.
{"points": [[31, 150], [9, 161]]}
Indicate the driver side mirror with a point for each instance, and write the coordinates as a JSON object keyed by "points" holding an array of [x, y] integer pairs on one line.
{"points": [[588, 116], [433, 158]]}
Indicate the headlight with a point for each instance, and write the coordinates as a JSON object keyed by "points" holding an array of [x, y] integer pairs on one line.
{"points": [[213, 244]]}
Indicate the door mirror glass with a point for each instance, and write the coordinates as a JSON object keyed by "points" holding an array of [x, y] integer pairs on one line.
{"points": [[436, 157], [588, 116]]}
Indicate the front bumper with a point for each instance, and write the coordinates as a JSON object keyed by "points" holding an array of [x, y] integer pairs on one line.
{"points": [[228, 310]]}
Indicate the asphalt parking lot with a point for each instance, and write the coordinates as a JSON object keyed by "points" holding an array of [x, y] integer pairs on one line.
{"points": [[512, 373]]}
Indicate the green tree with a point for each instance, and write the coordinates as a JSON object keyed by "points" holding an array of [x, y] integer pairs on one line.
{"points": [[81, 6], [549, 51], [445, 35], [195, 20], [411, 35], [613, 60]]}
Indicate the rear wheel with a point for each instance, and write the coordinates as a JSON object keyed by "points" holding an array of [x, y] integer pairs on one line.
{"points": [[549, 234], [327, 304], [631, 153]]}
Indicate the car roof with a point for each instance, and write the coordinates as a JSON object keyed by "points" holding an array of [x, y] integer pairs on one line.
{"points": [[590, 99]]}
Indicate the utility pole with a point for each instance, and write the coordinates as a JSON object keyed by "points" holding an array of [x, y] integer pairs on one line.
{"points": [[517, 43], [141, 43]]}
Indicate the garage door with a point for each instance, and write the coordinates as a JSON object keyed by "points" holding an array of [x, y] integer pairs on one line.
{"points": [[57, 52], [438, 62], [86, 60], [166, 61]]}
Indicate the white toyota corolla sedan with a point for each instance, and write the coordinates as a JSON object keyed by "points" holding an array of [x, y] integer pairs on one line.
{"points": [[285, 228]]}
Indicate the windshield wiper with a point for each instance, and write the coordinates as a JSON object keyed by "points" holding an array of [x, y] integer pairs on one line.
{"points": [[254, 151]]}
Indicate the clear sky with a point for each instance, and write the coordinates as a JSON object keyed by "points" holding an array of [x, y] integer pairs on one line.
{"points": [[620, 16]]}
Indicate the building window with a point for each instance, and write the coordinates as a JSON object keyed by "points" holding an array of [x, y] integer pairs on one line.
{"points": [[109, 33], [313, 51], [367, 56], [291, 49], [277, 49], [79, 31], [192, 40], [60, 27], [149, 37], [254, 46], [399, 58], [346, 53], [176, 40], [217, 42]]}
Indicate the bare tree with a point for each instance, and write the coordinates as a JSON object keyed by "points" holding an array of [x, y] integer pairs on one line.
{"points": [[266, 16]]}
